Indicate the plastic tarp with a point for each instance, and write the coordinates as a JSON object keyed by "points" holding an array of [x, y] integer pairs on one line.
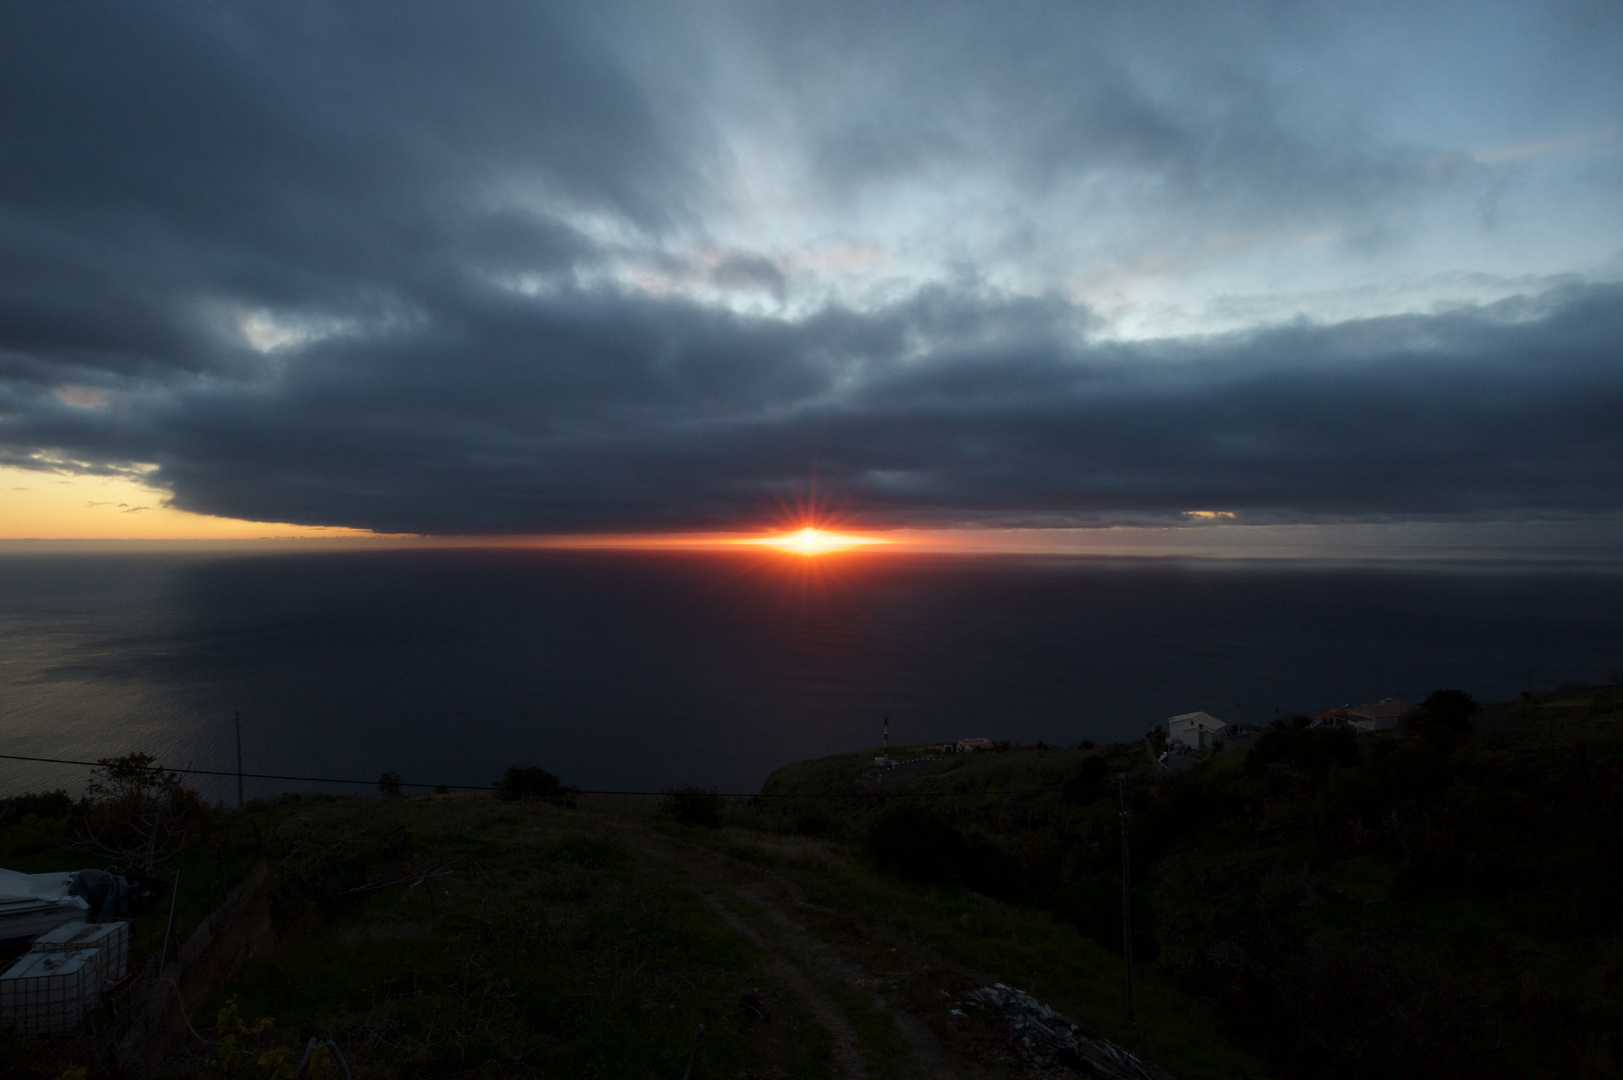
{"points": [[108, 895], [56, 887]]}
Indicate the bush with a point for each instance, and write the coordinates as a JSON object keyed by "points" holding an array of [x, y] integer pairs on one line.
{"points": [[1315, 750], [918, 844], [692, 806], [1087, 784], [532, 782], [1449, 706], [1444, 717], [34, 834], [32, 823], [45, 804], [814, 820]]}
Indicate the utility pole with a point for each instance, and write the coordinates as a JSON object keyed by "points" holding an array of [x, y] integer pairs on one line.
{"points": [[1126, 897], [239, 760], [887, 740]]}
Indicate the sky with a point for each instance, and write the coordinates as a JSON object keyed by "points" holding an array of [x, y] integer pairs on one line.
{"points": [[523, 269]]}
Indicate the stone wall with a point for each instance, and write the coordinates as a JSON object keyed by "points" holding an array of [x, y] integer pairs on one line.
{"points": [[157, 1017]]}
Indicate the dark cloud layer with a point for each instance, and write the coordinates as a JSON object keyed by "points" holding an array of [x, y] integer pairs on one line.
{"points": [[354, 264]]}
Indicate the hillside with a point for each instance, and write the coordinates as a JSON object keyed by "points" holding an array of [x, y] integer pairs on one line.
{"points": [[1436, 901], [463, 935], [1433, 902]]}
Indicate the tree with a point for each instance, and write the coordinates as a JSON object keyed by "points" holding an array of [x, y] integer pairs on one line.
{"points": [[138, 813], [1087, 784], [692, 806], [389, 783], [1444, 717], [1449, 706], [532, 782]]}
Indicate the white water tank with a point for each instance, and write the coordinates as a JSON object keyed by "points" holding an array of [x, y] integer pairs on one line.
{"points": [[48, 993], [112, 938]]}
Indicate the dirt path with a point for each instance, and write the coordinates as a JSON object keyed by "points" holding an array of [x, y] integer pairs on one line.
{"points": [[766, 911], [800, 941], [794, 976]]}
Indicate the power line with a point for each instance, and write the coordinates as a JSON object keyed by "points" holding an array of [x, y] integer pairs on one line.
{"points": [[581, 791]]}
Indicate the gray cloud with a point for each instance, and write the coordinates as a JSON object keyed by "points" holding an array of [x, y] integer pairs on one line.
{"points": [[368, 265], [618, 412]]}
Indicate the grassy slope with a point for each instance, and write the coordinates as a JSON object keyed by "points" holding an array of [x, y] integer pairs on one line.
{"points": [[1400, 904], [1421, 910], [577, 942], [1435, 909], [576, 939]]}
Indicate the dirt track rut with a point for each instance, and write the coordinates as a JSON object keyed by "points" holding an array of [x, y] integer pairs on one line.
{"points": [[765, 910]]}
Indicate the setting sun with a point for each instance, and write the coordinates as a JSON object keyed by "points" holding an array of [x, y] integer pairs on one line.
{"points": [[809, 541]]}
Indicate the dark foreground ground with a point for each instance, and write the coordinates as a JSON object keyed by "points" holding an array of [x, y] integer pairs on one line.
{"points": [[1437, 902]]}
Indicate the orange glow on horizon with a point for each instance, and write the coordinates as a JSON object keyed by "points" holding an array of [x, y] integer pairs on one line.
{"points": [[44, 506], [810, 541]]}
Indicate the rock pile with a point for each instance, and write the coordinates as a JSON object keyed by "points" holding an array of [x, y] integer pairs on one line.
{"points": [[1045, 1037]]}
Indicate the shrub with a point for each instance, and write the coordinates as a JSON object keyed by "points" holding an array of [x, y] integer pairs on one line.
{"points": [[814, 820], [692, 806], [919, 844], [32, 823], [1444, 717], [33, 835], [1315, 750], [45, 804], [1088, 782], [532, 782], [1449, 706]]}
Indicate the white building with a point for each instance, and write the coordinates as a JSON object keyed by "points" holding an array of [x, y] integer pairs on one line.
{"points": [[1194, 730], [1383, 715]]}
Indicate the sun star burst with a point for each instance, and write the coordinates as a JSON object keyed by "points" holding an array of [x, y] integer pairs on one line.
{"points": [[810, 541]]}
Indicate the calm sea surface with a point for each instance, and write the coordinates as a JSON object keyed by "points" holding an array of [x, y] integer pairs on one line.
{"points": [[651, 670]]}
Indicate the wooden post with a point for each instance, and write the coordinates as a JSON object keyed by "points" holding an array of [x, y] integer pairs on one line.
{"points": [[239, 760]]}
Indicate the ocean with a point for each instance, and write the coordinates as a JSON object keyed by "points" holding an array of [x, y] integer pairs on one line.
{"points": [[647, 670]]}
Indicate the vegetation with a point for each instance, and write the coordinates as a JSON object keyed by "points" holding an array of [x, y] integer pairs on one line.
{"points": [[31, 824], [532, 782], [692, 806], [1436, 901], [138, 814], [470, 935]]}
